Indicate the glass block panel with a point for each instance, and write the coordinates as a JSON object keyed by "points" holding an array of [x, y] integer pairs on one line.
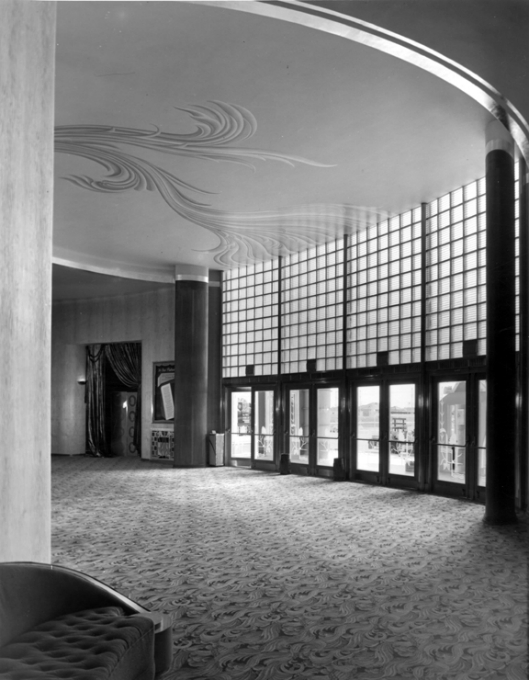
{"points": [[457, 272], [399, 261], [319, 296], [245, 308]]}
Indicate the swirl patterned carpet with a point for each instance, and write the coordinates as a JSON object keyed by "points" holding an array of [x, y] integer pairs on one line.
{"points": [[272, 577]]}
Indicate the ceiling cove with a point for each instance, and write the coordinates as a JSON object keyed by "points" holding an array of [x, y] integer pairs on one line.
{"points": [[145, 213], [336, 23], [219, 128]]}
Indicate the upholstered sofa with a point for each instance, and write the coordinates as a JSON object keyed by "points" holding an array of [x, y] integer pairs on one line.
{"points": [[59, 623]]}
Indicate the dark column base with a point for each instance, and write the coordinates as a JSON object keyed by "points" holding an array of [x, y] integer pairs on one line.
{"points": [[500, 520]]}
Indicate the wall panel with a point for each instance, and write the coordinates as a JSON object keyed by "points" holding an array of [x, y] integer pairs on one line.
{"points": [[147, 318]]}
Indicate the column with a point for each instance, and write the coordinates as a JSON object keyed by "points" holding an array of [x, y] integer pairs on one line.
{"points": [[214, 351], [27, 65], [191, 365], [501, 357], [523, 406]]}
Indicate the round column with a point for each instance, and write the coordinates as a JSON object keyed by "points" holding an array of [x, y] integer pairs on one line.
{"points": [[191, 366], [501, 355], [27, 64]]}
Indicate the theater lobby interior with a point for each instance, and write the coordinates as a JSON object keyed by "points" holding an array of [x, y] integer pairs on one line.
{"points": [[264, 286]]}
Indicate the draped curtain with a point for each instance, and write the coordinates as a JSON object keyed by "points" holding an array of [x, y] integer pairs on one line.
{"points": [[125, 360], [95, 383]]}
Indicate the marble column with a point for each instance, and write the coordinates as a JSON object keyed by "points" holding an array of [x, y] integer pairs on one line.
{"points": [[191, 365], [501, 355], [27, 65]]}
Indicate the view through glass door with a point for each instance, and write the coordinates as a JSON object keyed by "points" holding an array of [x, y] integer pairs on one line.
{"points": [[402, 430], [385, 431], [263, 428], [299, 426], [459, 452], [314, 433], [240, 427], [368, 428], [452, 431]]}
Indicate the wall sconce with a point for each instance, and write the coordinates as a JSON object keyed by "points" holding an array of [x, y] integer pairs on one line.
{"points": [[81, 381]]}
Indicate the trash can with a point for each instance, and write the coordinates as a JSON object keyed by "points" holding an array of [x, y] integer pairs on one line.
{"points": [[215, 444], [284, 464]]}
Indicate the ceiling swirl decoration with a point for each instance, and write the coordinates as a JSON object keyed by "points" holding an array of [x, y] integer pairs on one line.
{"points": [[219, 128]]}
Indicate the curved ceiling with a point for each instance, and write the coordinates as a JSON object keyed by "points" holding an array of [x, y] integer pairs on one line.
{"points": [[187, 132]]}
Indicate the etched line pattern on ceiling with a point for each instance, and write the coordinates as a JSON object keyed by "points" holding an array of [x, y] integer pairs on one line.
{"points": [[243, 237]]}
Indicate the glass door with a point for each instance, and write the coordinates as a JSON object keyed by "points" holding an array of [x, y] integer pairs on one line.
{"points": [[401, 427], [451, 431], [299, 426], [459, 436], [385, 425], [314, 428], [327, 403], [239, 433], [263, 428], [482, 436], [368, 429]]}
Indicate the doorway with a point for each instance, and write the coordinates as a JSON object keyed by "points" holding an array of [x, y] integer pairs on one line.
{"points": [[314, 436], [458, 435], [384, 432], [113, 405], [120, 415], [251, 427]]}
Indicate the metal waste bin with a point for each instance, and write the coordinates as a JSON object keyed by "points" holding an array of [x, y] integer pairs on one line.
{"points": [[215, 444]]}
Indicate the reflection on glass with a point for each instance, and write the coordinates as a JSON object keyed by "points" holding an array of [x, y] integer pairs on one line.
{"points": [[368, 428], [241, 408], [451, 432], [482, 433], [402, 430], [264, 425], [327, 425], [299, 426]]}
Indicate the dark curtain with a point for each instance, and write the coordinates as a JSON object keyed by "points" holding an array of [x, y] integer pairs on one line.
{"points": [[95, 383], [125, 359]]}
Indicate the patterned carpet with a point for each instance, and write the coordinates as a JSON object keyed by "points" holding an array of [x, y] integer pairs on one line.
{"points": [[272, 577]]}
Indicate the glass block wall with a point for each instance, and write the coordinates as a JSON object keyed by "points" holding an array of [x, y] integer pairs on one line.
{"points": [[455, 272], [250, 306], [384, 292], [312, 308]]}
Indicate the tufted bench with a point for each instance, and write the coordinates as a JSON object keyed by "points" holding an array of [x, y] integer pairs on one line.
{"points": [[58, 623]]}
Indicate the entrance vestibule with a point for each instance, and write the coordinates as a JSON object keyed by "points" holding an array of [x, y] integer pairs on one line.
{"points": [[416, 431]]}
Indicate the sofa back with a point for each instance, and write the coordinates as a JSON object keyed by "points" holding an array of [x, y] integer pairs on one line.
{"points": [[32, 593]]}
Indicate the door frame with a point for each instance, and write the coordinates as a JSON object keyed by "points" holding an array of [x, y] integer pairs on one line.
{"points": [[251, 462], [269, 465], [234, 461], [383, 476], [312, 468], [470, 488]]}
